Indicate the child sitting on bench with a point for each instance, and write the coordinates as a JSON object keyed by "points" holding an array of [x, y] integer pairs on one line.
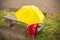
{"points": [[32, 30]]}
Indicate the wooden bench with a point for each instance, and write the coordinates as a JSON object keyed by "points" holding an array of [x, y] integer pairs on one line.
{"points": [[11, 20], [40, 26]]}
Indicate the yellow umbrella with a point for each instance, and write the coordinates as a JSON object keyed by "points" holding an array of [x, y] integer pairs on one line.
{"points": [[29, 15]]}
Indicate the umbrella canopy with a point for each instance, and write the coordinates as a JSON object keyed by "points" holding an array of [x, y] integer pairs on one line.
{"points": [[29, 15]]}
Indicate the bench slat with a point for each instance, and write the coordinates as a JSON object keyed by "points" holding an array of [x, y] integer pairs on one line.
{"points": [[11, 17]]}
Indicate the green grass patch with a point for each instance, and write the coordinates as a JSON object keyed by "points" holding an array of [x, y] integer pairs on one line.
{"points": [[3, 13], [51, 29]]}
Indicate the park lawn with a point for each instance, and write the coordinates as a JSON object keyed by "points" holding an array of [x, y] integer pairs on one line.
{"points": [[51, 30]]}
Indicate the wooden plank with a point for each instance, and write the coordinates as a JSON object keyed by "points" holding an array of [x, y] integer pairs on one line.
{"points": [[40, 28], [11, 17]]}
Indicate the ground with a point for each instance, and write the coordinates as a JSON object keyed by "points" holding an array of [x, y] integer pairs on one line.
{"points": [[51, 30], [13, 33]]}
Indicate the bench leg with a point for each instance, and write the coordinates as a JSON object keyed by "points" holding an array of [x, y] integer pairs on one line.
{"points": [[7, 23], [12, 23]]}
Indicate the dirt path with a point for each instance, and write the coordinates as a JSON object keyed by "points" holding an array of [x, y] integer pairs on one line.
{"points": [[14, 33]]}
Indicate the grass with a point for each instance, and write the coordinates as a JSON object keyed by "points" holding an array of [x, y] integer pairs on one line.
{"points": [[3, 13], [51, 30]]}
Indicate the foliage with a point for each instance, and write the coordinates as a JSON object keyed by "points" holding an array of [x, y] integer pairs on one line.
{"points": [[51, 28], [3, 13]]}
